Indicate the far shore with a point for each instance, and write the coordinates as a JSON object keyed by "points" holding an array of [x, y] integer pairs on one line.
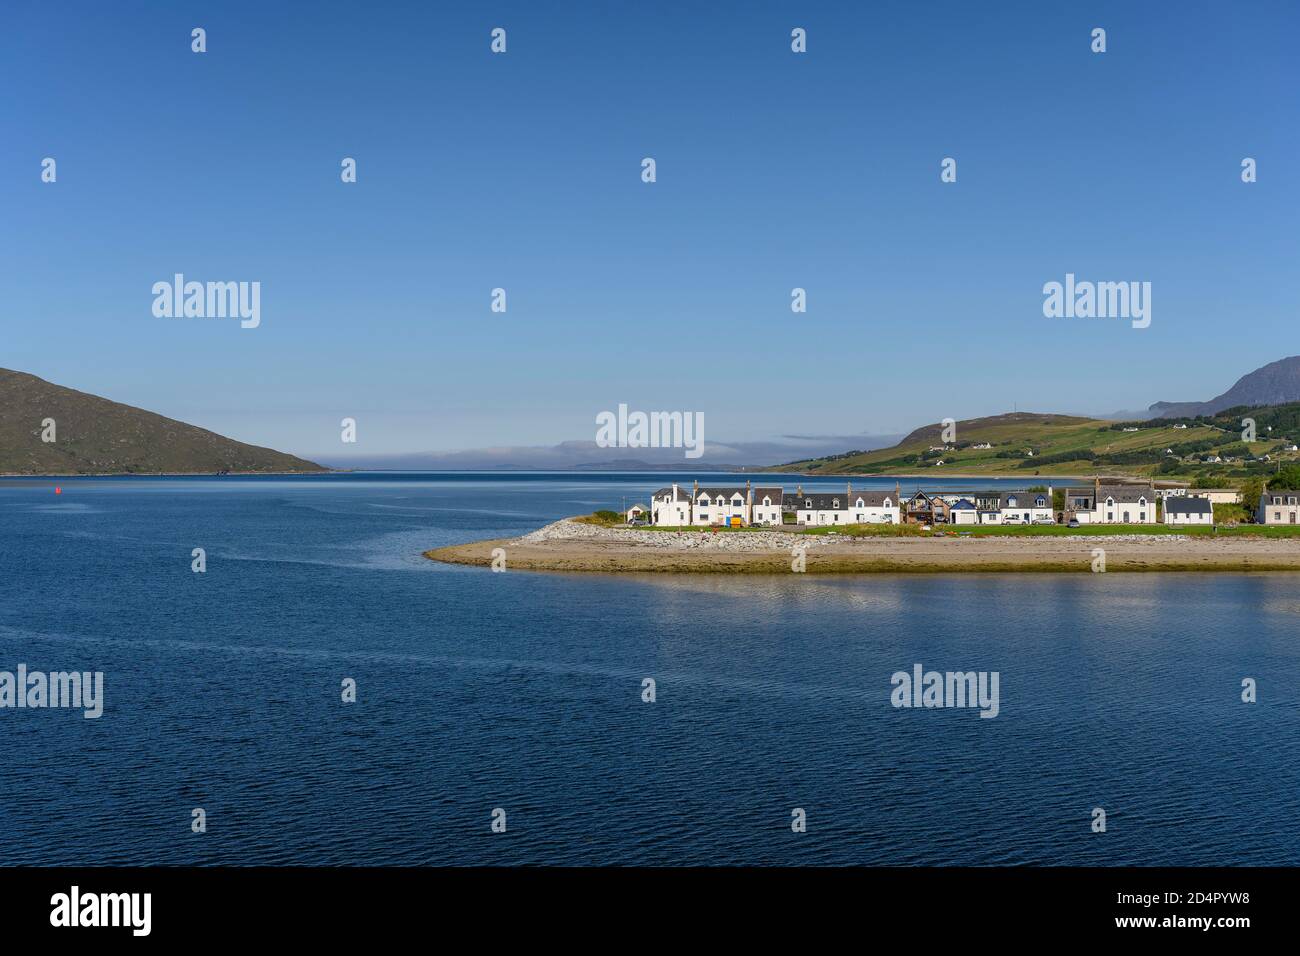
{"points": [[573, 546]]}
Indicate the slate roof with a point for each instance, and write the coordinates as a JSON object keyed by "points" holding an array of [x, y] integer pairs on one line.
{"points": [[822, 501], [871, 499], [683, 494], [1188, 506], [1025, 499]]}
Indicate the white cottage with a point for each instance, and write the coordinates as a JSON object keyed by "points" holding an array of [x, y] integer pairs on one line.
{"points": [[873, 507], [671, 507], [820, 508], [766, 507], [1278, 507], [1026, 507], [717, 506], [1189, 510]]}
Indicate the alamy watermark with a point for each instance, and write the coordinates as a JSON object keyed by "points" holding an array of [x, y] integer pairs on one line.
{"points": [[923, 688], [179, 299], [651, 430], [1098, 300], [35, 690]]}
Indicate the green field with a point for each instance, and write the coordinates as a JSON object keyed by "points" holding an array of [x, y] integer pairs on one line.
{"points": [[1066, 446]]}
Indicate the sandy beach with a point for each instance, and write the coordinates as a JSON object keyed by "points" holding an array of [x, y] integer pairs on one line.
{"points": [[571, 546]]}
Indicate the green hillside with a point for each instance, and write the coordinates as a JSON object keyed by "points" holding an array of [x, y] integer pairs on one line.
{"points": [[96, 436], [1025, 443]]}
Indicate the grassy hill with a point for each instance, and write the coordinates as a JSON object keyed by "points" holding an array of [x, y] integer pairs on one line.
{"points": [[1069, 445], [96, 436]]}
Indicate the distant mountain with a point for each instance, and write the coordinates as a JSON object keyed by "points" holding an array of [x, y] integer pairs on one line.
{"points": [[93, 435], [1275, 384], [588, 456]]}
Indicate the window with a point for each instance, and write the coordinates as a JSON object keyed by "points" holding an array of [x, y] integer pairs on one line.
{"points": [[835, 503], [1126, 517], [1040, 501], [1011, 502]]}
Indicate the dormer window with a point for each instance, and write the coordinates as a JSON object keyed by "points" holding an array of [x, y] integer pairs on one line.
{"points": [[835, 503], [1040, 502], [767, 501], [859, 502], [807, 502], [1011, 502]]}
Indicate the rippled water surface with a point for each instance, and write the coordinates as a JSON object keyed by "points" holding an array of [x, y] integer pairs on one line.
{"points": [[523, 691]]}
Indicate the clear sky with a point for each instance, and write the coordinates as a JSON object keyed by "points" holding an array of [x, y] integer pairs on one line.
{"points": [[523, 171]]}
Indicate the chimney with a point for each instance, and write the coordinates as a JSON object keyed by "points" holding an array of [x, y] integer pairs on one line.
{"points": [[798, 490], [695, 490], [674, 491], [749, 493]]}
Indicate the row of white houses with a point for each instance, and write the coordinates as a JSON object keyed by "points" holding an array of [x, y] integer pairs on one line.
{"points": [[768, 505]]}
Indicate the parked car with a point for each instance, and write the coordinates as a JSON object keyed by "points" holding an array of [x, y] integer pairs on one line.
{"points": [[1072, 523]]}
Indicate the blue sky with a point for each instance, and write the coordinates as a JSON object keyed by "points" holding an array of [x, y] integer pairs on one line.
{"points": [[522, 171]]}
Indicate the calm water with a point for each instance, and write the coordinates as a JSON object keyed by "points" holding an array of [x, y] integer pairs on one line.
{"points": [[522, 691]]}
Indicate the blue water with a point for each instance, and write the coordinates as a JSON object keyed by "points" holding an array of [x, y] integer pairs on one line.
{"points": [[523, 691]]}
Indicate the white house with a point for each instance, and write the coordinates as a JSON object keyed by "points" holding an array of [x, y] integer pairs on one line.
{"points": [[1188, 510], [1278, 507], [635, 512], [873, 507], [766, 509], [671, 507], [1111, 504], [719, 505], [1026, 507], [1126, 504], [821, 508]]}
